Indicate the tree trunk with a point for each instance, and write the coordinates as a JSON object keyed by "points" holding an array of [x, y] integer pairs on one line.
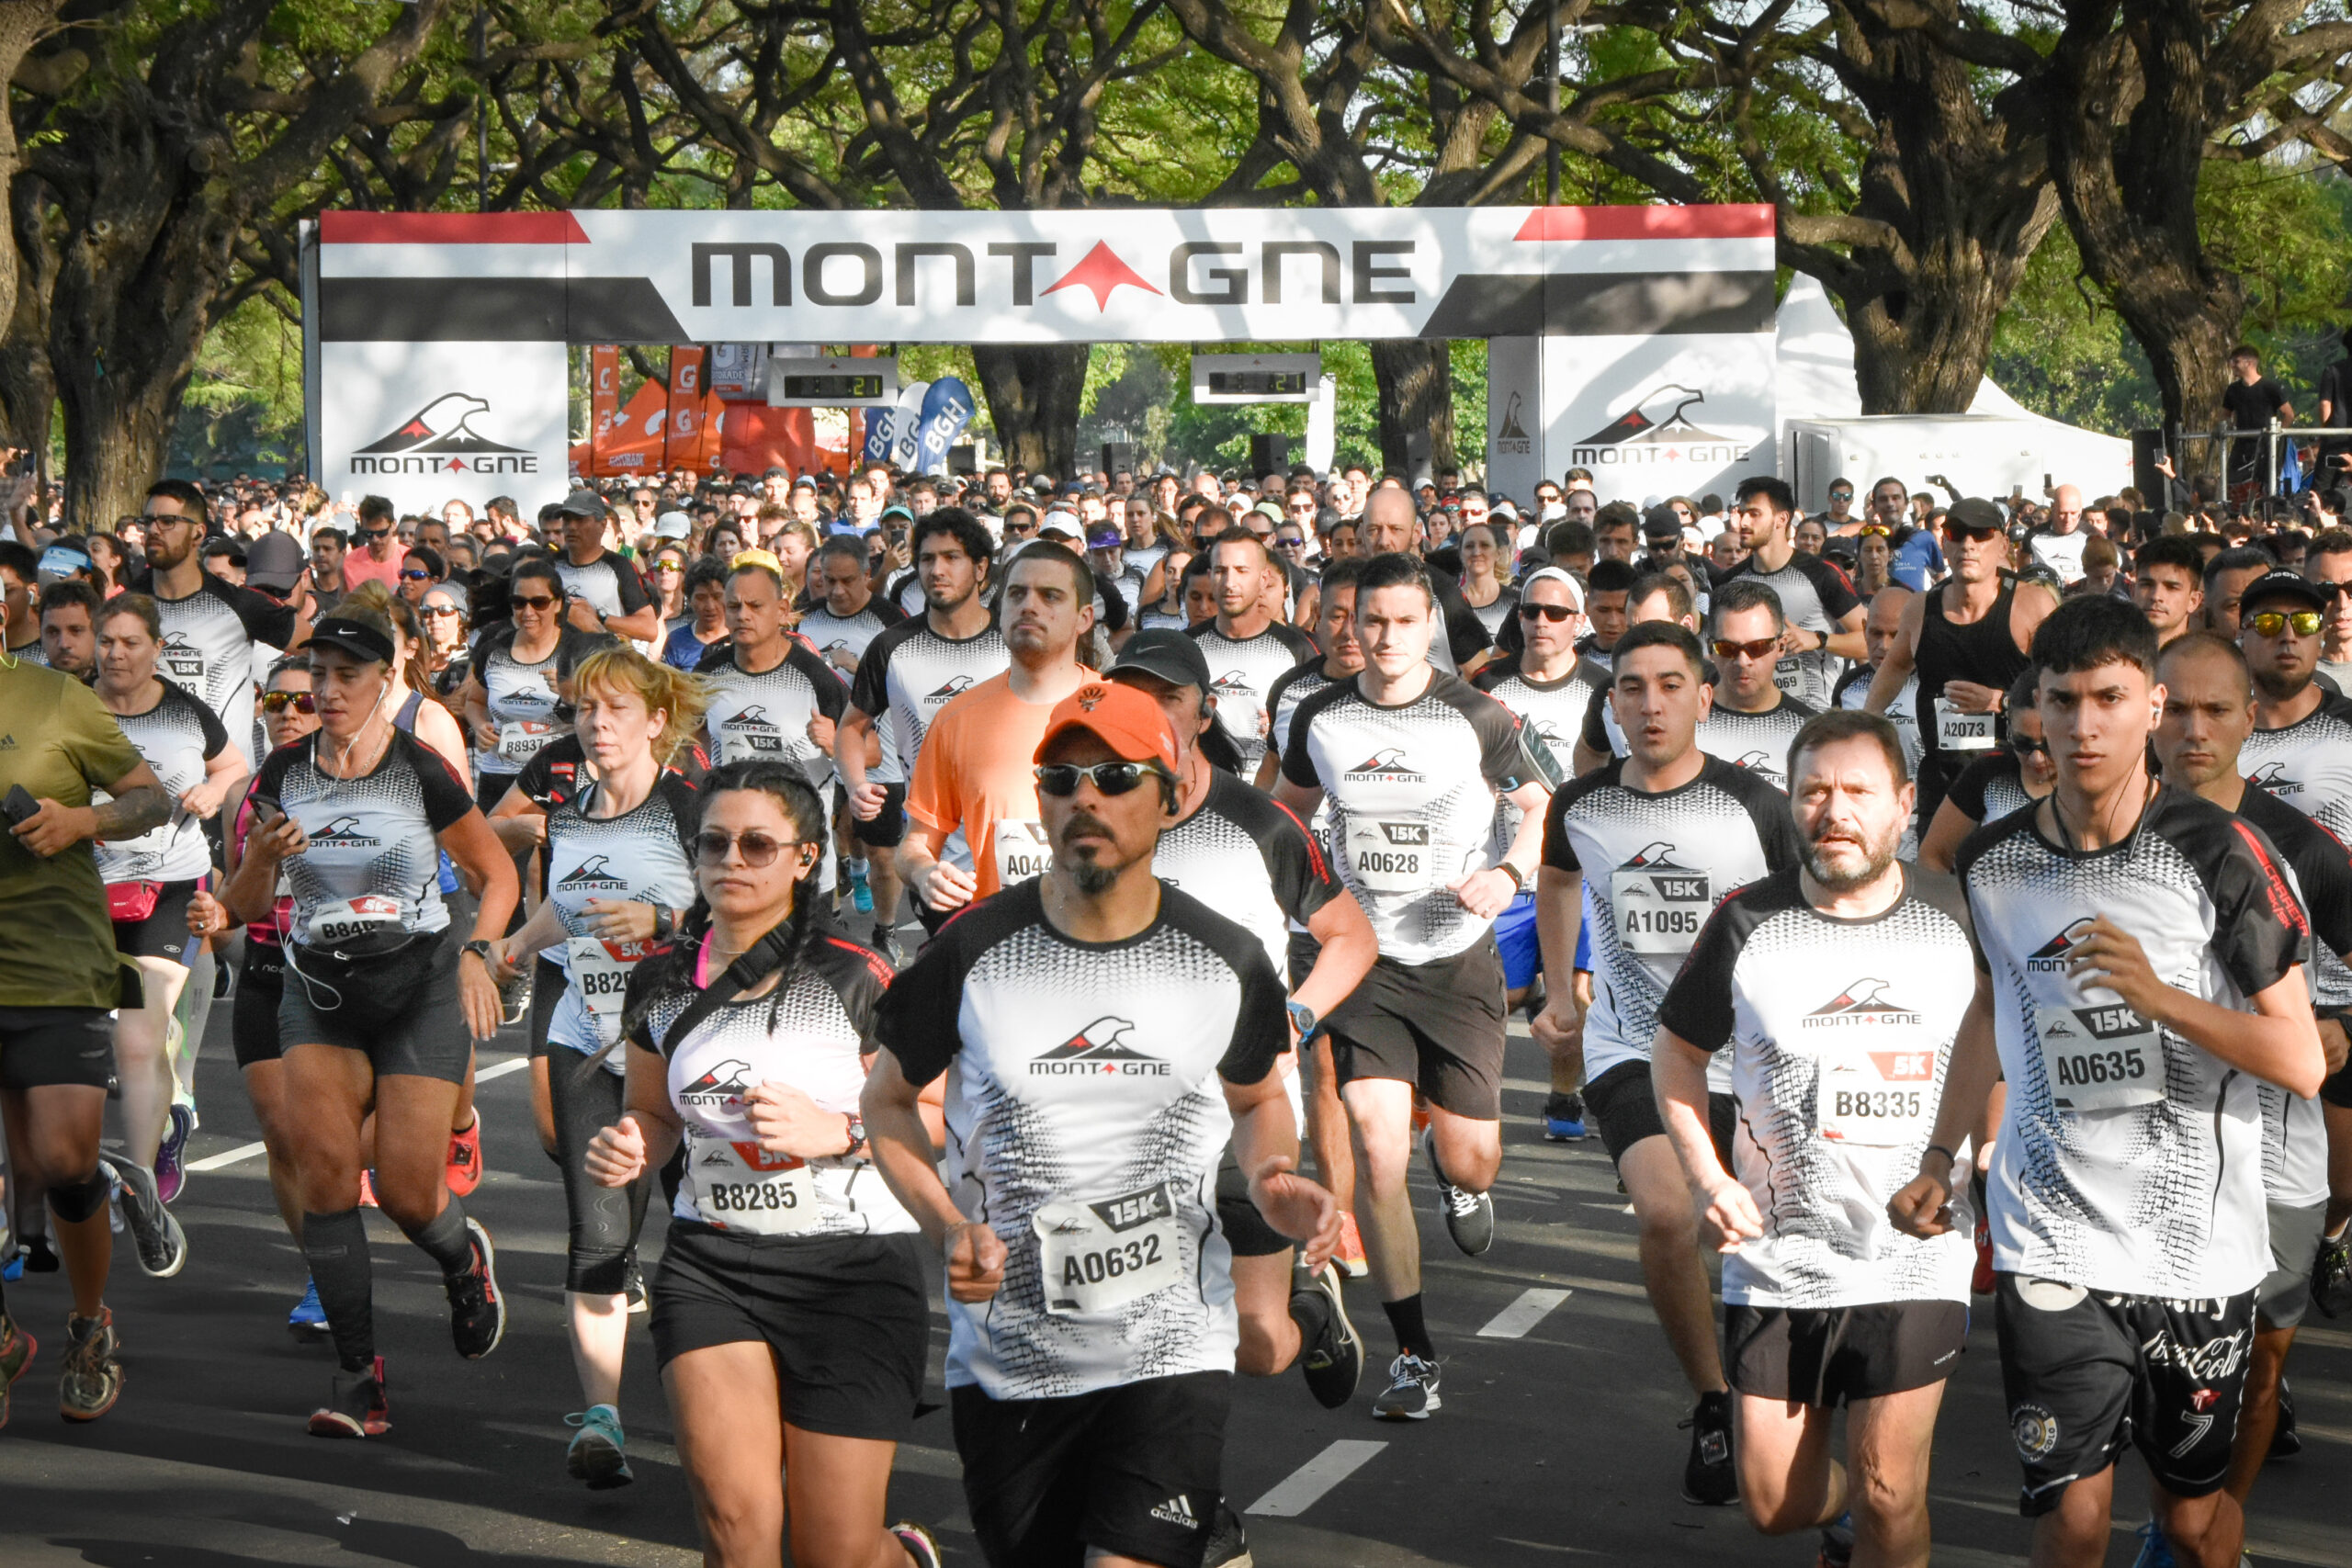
{"points": [[28, 390], [1034, 391], [22, 22], [1416, 380]]}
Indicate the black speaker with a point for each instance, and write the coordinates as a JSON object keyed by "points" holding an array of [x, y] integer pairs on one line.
{"points": [[962, 460], [1118, 454], [2147, 446], [1269, 455]]}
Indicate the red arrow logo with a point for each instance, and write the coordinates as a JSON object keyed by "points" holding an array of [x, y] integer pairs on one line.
{"points": [[1100, 271]]}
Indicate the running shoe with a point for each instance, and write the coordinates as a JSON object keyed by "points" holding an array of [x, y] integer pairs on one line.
{"points": [[1564, 1118], [886, 944], [1837, 1544], [1228, 1544], [16, 1349], [2332, 1273], [1351, 1254], [1981, 1283], [465, 1159], [91, 1379], [171, 1155], [161, 1244], [515, 996], [1709, 1477], [1412, 1393], [2156, 1551], [2285, 1441], [633, 1286], [861, 892], [1469, 1216], [477, 1310], [922, 1549], [1331, 1357], [356, 1405], [13, 1270], [309, 1319], [599, 1453]]}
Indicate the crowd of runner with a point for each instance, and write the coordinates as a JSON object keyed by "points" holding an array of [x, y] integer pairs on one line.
{"points": [[1105, 893]]}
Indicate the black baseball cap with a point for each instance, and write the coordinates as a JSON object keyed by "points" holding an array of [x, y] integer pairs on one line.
{"points": [[1168, 654], [582, 503], [1977, 514], [1661, 522], [2280, 583], [274, 560], [355, 637]]}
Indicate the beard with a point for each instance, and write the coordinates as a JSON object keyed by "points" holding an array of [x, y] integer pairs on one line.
{"points": [[1844, 876]]}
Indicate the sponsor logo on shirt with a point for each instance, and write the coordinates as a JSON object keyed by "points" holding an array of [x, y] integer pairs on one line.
{"points": [[591, 873], [1100, 1048], [1177, 1511], [954, 686], [1865, 1002], [721, 1089], [343, 833], [1659, 856], [1234, 680], [2272, 776], [2051, 957], [1388, 762]]}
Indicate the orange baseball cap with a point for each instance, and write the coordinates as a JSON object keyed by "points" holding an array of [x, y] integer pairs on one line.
{"points": [[1120, 717]]}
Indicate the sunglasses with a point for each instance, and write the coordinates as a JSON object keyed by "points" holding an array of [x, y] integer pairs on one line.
{"points": [[2270, 623], [1552, 613], [375, 533], [1761, 648], [436, 610], [661, 566], [1877, 530], [1841, 495], [1021, 527], [1061, 779], [418, 575], [1956, 534], [758, 848], [274, 703], [533, 602], [2021, 747]]}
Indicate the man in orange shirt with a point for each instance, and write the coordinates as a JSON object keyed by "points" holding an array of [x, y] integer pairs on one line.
{"points": [[976, 770]]}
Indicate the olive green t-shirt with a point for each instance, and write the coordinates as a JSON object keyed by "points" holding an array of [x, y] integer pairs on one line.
{"points": [[56, 942]]}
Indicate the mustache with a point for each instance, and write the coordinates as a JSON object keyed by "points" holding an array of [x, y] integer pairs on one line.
{"points": [[1086, 821]]}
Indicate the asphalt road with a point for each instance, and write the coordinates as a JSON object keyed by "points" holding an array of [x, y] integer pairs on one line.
{"points": [[1556, 1446]]}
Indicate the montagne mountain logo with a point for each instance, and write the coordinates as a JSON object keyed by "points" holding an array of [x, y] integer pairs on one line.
{"points": [[1101, 1047], [1864, 1002], [439, 438], [2272, 776], [1511, 428], [592, 872], [724, 1086], [2051, 956], [343, 833], [954, 686], [1655, 416], [1388, 762], [1656, 855]]}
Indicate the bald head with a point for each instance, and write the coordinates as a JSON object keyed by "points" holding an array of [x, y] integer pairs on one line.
{"points": [[1884, 622], [2066, 508], [1390, 522]]}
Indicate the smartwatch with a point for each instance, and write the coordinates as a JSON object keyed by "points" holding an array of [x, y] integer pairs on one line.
{"points": [[1304, 1015], [479, 949]]}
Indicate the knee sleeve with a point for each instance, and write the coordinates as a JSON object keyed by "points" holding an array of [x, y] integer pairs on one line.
{"points": [[74, 1202]]}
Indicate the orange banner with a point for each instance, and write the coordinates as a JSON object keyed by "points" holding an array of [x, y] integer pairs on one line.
{"points": [[604, 395], [692, 440]]}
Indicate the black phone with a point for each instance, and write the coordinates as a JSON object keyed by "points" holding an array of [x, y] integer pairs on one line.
{"points": [[19, 805], [266, 810]]}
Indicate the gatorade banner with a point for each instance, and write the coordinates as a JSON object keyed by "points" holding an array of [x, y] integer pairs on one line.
{"points": [[946, 410], [690, 441], [604, 394]]}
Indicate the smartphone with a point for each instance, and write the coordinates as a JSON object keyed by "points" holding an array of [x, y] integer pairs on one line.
{"points": [[19, 806], [267, 810]]}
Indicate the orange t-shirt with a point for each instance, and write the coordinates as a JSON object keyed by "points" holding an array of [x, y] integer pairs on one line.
{"points": [[974, 772]]}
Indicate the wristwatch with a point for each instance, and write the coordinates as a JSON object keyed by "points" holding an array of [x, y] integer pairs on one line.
{"points": [[1304, 1015], [479, 949], [665, 922], [856, 1134], [1517, 881]]}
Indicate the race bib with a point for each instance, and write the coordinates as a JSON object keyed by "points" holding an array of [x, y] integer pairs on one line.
{"points": [[1103, 1255], [519, 739], [744, 1189], [1659, 912], [183, 663], [1789, 675], [1878, 1099], [2101, 1058], [1392, 857], [600, 973], [751, 743], [370, 914], [1957, 731], [1021, 850]]}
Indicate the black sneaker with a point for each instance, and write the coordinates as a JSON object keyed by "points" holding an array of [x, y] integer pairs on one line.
{"points": [[2285, 1441], [1332, 1360], [356, 1405], [2332, 1274], [477, 1310], [633, 1285], [1469, 1216], [1710, 1479], [1412, 1393], [1229, 1544], [161, 1244]]}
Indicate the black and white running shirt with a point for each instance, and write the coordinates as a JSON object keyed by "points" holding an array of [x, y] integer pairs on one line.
{"points": [[1412, 789], [1902, 711], [1839, 1031], [1085, 1122], [765, 717], [178, 735], [1549, 713], [1243, 670], [1654, 866], [2294, 1130], [1282, 699], [521, 697], [373, 867], [608, 584], [643, 856], [2308, 765], [2129, 1160], [816, 1040], [1989, 788], [208, 649], [1758, 742], [1246, 856], [908, 674], [1815, 596], [847, 636]]}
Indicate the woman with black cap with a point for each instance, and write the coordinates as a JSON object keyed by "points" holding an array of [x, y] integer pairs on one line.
{"points": [[380, 1001]]}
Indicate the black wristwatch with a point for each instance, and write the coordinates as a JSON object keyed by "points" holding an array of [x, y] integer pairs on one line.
{"points": [[479, 949], [856, 1134], [1517, 881], [665, 922]]}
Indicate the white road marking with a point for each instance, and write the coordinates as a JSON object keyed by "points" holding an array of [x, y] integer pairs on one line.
{"points": [[216, 1162], [1304, 1487], [1515, 1320], [500, 1069]]}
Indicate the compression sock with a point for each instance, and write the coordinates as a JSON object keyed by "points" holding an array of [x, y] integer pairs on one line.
{"points": [[1412, 1333], [443, 1238], [336, 1246]]}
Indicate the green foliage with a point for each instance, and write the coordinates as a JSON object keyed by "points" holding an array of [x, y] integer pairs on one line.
{"points": [[243, 404]]}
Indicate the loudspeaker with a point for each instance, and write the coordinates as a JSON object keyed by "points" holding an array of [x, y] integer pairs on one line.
{"points": [[962, 460], [1269, 455], [1118, 454], [2147, 446]]}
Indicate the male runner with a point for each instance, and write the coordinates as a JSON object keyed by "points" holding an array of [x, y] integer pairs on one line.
{"points": [[2169, 584], [210, 626], [1753, 718], [1104, 1037], [1248, 645], [848, 616], [1665, 833], [1657, 597], [1413, 761], [1879, 629], [907, 675], [1254, 862], [602, 590], [2207, 713], [1390, 525], [1836, 985], [1823, 620], [2058, 543], [2301, 750], [2227, 577], [2125, 1304], [1340, 659]]}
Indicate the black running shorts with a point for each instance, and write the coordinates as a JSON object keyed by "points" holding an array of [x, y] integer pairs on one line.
{"points": [[1625, 1104], [847, 1317], [2084, 1373], [252, 1018], [1438, 1026], [163, 934], [41, 1047], [889, 824], [1832, 1355], [2337, 1089], [1134, 1470], [400, 1010], [1245, 1230]]}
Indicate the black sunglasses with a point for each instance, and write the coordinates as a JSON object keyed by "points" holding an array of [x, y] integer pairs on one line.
{"points": [[1061, 779], [1549, 612], [2020, 746]]}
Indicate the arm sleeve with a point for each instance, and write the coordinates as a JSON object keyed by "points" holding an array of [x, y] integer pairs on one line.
{"points": [[628, 586], [1261, 1025], [917, 1018], [1303, 878], [869, 693], [446, 798], [1465, 634], [1596, 731], [1698, 1005], [1559, 849], [1299, 756], [833, 698], [1966, 791], [1836, 594], [2258, 923], [1501, 758], [216, 735]]}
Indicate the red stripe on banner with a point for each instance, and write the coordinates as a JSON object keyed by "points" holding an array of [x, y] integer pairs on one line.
{"points": [[451, 228], [1742, 221]]}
